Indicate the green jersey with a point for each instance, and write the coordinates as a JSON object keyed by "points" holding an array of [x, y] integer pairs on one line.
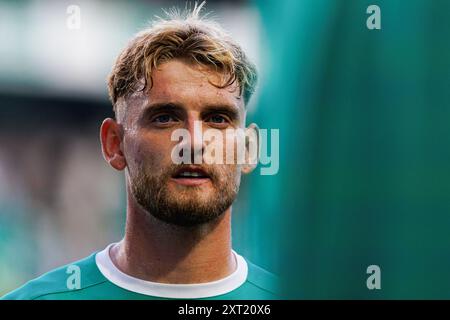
{"points": [[96, 277]]}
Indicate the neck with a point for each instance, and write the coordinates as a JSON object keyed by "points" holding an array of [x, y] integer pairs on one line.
{"points": [[155, 251]]}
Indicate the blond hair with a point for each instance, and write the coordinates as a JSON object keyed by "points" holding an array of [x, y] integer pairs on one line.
{"points": [[182, 35]]}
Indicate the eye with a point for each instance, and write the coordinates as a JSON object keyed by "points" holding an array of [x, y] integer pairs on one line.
{"points": [[217, 118], [164, 118]]}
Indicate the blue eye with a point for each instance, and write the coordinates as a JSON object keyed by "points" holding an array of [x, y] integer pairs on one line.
{"points": [[164, 118]]}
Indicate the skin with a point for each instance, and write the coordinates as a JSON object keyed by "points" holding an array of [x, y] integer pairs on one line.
{"points": [[152, 249]]}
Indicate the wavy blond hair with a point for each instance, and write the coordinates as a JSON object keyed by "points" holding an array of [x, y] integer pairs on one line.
{"points": [[181, 35]]}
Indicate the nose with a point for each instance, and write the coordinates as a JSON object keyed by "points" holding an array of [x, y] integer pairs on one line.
{"points": [[194, 125]]}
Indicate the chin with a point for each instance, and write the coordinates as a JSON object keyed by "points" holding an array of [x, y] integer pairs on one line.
{"points": [[197, 198]]}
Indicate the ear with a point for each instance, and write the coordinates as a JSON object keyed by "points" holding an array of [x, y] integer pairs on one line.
{"points": [[111, 136], [251, 148]]}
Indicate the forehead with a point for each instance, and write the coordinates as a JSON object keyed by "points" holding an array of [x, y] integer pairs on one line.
{"points": [[186, 84], [177, 79]]}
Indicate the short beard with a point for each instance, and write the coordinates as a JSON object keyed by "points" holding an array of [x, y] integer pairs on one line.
{"points": [[187, 207]]}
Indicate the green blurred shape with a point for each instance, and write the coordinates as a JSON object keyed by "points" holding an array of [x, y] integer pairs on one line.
{"points": [[365, 147]]}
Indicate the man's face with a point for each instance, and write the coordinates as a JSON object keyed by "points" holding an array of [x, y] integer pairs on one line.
{"points": [[180, 194]]}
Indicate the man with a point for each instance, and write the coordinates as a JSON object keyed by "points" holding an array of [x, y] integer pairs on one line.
{"points": [[182, 73]]}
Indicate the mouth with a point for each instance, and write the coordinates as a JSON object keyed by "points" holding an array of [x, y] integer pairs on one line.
{"points": [[191, 176]]}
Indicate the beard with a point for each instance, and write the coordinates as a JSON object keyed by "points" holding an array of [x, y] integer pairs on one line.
{"points": [[181, 205]]}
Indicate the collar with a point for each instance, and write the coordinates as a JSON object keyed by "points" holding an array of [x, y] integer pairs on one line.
{"points": [[167, 290]]}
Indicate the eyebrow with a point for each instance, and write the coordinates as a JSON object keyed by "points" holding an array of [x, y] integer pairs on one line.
{"points": [[161, 107], [231, 110]]}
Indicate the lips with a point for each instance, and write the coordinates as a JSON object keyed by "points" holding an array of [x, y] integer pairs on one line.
{"points": [[191, 176], [190, 172]]}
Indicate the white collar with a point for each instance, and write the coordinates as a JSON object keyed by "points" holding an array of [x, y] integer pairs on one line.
{"points": [[166, 290]]}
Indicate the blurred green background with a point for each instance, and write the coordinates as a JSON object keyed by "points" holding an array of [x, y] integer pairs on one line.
{"points": [[363, 116], [365, 146]]}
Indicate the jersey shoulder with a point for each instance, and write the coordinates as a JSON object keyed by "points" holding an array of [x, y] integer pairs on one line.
{"points": [[260, 284], [68, 279], [263, 280]]}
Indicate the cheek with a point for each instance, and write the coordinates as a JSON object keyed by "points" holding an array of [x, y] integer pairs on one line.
{"points": [[237, 174], [230, 174], [147, 151]]}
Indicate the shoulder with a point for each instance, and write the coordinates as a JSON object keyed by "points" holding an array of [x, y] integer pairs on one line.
{"points": [[263, 280], [70, 278]]}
